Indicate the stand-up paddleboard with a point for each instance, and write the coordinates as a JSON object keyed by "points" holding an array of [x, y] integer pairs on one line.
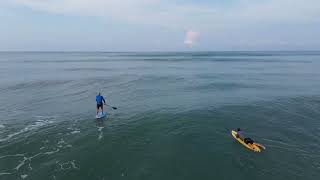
{"points": [[101, 115], [254, 147]]}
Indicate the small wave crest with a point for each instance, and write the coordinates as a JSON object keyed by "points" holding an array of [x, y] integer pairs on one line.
{"points": [[35, 85], [32, 127]]}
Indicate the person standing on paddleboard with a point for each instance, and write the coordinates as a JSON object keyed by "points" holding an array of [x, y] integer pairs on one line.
{"points": [[100, 101]]}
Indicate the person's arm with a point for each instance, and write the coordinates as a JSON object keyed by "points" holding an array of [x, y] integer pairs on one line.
{"points": [[103, 100]]}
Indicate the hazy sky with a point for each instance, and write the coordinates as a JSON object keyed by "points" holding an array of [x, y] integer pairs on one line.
{"points": [[159, 25]]}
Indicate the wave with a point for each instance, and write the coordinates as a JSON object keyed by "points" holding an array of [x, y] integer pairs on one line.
{"points": [[88, 69], [32, 127], [225, 56], [36, 84]]}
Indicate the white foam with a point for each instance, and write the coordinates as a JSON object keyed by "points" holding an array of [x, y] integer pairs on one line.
{"points": [[68, 165], [60, 143], [100, 136], [36, 125], [100, 128], [51, 152], [68, 146], [14, 155], [24, 176], [29, 159], [30, 168], [4, 173], [100, 133], [73, 165], [63, 144], [21, 163], [2, 126], [75, 132]]}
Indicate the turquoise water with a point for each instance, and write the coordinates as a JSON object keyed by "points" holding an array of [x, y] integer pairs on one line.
{"points": [[174, 117]]}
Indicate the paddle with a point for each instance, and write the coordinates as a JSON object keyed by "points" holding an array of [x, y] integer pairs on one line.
{"points": [[111, 106]]}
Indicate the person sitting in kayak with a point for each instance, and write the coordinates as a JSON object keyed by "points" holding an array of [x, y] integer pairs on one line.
{"points": [[100, 101], [239, 134], [247, 140], [242, 137]]}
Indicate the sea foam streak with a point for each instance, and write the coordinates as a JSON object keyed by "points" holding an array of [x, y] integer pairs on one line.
{"points": [[32, 127]]}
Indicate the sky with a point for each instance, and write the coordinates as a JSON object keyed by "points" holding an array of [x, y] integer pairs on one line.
{"points": [[159, 25]]}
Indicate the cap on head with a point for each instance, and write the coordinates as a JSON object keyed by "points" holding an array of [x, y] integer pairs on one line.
{"points": [[238, 129]]}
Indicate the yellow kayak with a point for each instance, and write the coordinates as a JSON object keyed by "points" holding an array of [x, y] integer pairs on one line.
{"points": [[254, 147]]}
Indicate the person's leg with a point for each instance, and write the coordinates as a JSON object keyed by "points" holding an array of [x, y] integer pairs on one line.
{"points": [[97, 109], [102, 108]]}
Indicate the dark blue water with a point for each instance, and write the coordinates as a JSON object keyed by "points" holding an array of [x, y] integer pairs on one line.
{"points": [[174, 117]]}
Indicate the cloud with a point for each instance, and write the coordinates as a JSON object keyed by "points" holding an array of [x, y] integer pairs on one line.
{"points": [[191, 37], [178, 14], [222, 24]]}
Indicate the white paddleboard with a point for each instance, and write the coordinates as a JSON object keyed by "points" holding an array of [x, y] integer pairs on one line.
{"points": [[101, 115]]}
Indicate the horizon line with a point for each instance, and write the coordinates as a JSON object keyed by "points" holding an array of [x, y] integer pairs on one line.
{"points": [[156, 51]]}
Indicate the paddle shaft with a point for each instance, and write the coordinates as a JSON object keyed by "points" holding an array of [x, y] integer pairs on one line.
{"points": [[110, 106]]}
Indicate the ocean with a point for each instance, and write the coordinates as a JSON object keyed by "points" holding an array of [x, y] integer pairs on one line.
{"points": [[175, 112]]}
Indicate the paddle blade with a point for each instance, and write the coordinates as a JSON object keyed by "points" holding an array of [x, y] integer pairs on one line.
{"points": [[114, 108]]}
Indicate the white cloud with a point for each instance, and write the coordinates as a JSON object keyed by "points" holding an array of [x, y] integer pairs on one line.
{"points": [[171, 13], [219, 23], [191, 37]]}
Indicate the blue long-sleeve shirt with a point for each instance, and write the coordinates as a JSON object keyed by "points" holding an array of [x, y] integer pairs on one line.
{"points": [[100, 99]]}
